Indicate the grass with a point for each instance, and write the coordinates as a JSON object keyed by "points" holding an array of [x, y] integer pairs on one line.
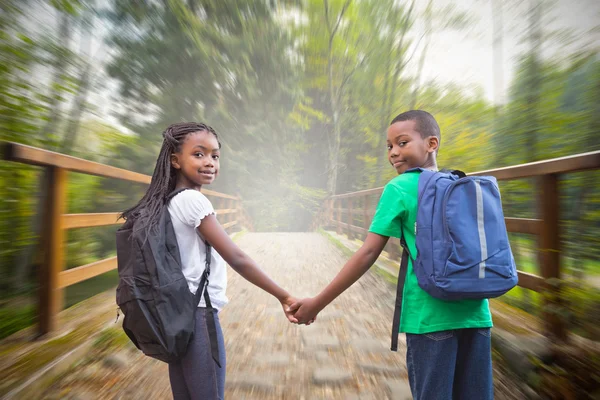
{"points": [[17, 314], [113, 337], [88, 288], [236, 236], [13, 319], [346, 251], [20, 313], [527, 259], [392, 279]]}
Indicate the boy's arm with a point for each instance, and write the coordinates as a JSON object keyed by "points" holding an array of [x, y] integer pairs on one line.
{"points": [[359, 263], [213, 232]]}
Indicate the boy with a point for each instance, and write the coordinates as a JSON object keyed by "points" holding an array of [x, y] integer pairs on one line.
{"points": [[448, 342]]}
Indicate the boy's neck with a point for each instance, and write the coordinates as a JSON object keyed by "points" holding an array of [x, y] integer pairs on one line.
{"points": [[430, 164]]}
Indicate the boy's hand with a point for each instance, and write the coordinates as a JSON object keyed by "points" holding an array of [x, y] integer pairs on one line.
{"points": [[305, 311]]}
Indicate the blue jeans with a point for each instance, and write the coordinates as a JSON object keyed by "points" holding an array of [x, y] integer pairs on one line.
{"points": [[450, 365], [196, 376]]}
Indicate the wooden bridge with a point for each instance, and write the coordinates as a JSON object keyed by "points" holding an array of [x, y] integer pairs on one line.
{"points": [[304, 273]]}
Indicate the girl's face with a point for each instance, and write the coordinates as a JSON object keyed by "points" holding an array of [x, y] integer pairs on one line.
{"points": [[197, 162]]}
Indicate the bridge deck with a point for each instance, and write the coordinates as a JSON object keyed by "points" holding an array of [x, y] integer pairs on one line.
{"points": [[344, 355]]}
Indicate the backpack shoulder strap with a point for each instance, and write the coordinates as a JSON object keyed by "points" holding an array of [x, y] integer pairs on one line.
{"points": [[399, 295], [175, 193], [210, 315]]}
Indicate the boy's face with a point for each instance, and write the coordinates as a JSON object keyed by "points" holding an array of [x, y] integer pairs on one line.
{"points": [[407, 149]]}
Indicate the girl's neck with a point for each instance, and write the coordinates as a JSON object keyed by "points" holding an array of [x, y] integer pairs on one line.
{"points": [[184, 183]]}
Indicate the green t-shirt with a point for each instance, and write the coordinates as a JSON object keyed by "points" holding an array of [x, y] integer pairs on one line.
{"points": [[421, 313]]}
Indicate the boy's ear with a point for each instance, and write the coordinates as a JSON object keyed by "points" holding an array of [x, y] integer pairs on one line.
{"points": [[433, 143], [175, 161]]}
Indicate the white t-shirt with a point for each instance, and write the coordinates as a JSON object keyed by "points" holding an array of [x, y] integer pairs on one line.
{"points": [[187, 209]]}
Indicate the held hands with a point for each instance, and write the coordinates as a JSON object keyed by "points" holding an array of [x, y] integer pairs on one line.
{"points": [[302, 312], [305, 311]]}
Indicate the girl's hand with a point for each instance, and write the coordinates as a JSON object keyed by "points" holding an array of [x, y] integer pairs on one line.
{"points": [[286, 302]]}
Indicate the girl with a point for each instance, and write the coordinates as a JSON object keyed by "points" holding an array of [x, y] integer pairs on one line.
{"points": [[189, 158]]}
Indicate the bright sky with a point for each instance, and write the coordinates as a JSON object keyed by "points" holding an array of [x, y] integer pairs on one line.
{"points": [[462, 57], [467, 57]]}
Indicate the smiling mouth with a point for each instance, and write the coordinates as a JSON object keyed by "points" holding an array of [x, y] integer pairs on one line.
{"points": [[207, 173], [397, 163]]}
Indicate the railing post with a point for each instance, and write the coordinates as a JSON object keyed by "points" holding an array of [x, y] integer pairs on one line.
{"points": [[237, 204], [338, 227], [350, 205], [50, 301], [231, 204], [549, 254], [393, 248], [329, 213], [366, 222]]}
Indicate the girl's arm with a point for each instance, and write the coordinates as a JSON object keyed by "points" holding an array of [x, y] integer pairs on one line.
{"points": [[307, 309], [213, 232]]}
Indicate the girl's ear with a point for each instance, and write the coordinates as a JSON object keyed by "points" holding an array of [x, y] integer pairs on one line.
{"points": [[433, 143], [175, 161]]}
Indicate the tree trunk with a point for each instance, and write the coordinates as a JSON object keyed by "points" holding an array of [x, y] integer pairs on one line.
{"points": [[334, 145], [23, 264], [79, 103], [77, 111], [497, 66], [534, 80], [398, 67], [415, 93]]}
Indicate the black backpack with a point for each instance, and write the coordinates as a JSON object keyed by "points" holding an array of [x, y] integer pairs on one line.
{"points": [[153, 293]]}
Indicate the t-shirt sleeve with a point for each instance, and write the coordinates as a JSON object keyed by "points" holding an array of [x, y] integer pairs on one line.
{"points": [[191, 206], [390, 211]]}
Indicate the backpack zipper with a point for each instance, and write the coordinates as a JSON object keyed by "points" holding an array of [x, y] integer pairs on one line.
{"points": [[451, 187]]}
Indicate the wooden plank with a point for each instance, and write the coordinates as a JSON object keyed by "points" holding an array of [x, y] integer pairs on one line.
{"points": [[34, 156], [575, 163], [229, 224], [526, 280], [524, 225], [350, 218], [50, 296], [338, 227], [226, 211], [366, 221], [207, 192], [74, 275], [530, 281], [360, 193], [354, 228], [71, 221]]}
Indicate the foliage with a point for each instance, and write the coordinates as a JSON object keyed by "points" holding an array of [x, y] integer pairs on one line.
{"points": [[301, 94]]}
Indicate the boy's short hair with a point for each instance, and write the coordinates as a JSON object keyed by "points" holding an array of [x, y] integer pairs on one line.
{"points": [[425, 124]]}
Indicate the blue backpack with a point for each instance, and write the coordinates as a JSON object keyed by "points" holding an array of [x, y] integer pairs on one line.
{"points": [[463, 251]]}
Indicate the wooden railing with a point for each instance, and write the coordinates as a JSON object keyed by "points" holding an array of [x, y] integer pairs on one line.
{"points": [[53, 277], [362, 204]]}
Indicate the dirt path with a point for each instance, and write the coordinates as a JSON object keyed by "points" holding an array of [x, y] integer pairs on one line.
{"points": [[344, 355]]}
